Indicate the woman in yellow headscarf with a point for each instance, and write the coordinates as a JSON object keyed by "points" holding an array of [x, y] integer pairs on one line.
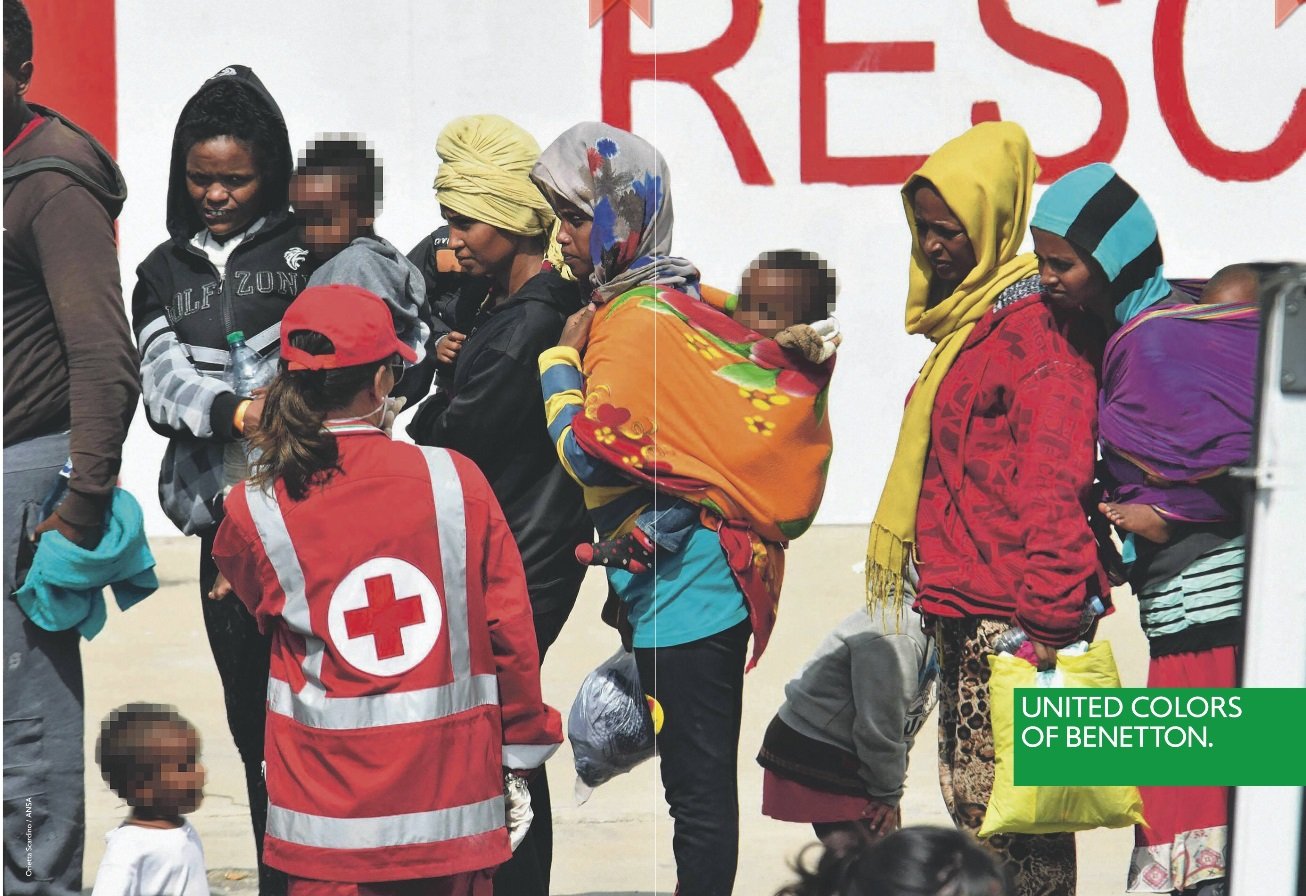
{"points": [[985, 507], [501, 230]]}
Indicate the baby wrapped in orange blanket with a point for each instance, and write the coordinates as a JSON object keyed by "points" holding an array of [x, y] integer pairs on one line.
{"points": [[697, 405]]}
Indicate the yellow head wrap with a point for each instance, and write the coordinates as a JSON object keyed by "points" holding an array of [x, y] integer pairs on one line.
{"points": [[485, 168], [986, 176]]}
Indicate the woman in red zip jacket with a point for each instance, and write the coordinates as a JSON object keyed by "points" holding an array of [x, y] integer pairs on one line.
{"points": [[404, 698], [990, 485]]}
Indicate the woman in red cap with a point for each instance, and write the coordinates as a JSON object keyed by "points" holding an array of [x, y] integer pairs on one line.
{"points": [[404, 700]]}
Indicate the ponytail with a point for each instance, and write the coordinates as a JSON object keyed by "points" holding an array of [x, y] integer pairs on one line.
{"points": [[290, 442]]}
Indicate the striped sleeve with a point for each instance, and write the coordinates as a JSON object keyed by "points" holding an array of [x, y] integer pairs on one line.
{"points": [[563, 386], [178, 397]]}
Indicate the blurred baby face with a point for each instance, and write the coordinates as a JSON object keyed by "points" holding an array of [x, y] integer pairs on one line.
{"points": [[332, 213], [769, 299]]}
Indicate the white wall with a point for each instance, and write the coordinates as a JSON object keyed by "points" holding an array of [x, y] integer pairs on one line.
{"points": [[398, 70]]}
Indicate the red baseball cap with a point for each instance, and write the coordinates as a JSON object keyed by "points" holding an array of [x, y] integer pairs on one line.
{"points": [[357, 322]]}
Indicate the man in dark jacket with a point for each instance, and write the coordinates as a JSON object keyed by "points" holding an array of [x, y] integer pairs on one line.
{"points": [[70, 388]]}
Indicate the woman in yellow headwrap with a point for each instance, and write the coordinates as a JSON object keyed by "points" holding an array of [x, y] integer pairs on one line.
{"points": [[987, 497], [501, 229]]}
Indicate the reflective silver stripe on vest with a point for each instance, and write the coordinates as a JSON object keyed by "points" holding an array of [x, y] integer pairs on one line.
{"points": [[437, 826], [311, 706], [451, 524], [375, 710], [271, 527], [261, 341]]}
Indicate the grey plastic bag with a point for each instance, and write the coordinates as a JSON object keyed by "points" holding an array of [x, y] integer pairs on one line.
{"points": [[609, 726]]}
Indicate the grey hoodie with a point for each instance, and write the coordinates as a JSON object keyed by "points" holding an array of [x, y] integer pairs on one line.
{"points": [[867, 690], [374, 264]]}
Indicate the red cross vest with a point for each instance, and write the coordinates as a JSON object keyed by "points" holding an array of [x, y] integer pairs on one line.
{"points": [[404, 671]]}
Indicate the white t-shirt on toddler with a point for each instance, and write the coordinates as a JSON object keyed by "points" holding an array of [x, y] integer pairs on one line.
{"points": [[152, 862]]}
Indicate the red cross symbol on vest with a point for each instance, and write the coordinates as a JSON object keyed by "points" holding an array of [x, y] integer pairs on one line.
{"points": [[384, 617]]}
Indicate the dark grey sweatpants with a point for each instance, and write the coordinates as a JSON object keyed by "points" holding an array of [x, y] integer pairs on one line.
{"points": [[44, 816]]}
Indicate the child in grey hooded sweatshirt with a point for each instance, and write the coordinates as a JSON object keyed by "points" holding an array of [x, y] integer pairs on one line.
{"points": [[836, 752], [337, 193]]}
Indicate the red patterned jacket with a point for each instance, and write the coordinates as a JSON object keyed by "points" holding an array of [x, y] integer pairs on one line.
{"points": [[1002, 526]]}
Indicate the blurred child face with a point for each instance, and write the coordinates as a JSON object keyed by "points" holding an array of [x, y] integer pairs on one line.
{"points": [[332, 212], [177, 786], [769, 299]]}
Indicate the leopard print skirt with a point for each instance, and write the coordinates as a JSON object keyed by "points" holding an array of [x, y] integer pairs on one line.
{"points": [[1039, 864]]}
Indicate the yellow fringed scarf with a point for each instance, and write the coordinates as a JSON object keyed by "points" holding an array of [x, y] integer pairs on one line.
{"points": [[486, 161], [986, 176]]}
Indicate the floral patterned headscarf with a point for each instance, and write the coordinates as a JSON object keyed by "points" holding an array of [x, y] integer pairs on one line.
{"points": [[622, 182]]}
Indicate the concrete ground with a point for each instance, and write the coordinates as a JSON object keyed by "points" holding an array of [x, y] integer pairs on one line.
{"points": [[620, 841]]}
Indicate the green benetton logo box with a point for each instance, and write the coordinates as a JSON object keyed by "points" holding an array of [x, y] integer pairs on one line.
{"points": [[1172, 736]]}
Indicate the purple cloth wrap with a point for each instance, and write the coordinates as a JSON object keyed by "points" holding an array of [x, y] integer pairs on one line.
{"points": [[1177, 403]]}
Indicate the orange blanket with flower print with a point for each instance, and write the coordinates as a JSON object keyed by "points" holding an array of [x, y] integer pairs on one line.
{"points": [[683, 398]]}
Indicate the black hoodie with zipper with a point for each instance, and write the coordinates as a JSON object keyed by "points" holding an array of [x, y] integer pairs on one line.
{"points": [[493, 414], [182, 313]]}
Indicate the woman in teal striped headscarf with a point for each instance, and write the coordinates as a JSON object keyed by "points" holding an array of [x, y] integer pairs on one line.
{"points": [[1175, 412]]}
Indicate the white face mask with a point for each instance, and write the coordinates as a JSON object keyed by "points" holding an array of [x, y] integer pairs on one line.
{"points": [[367, 418]]}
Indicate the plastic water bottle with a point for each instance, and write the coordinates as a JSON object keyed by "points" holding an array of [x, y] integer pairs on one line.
{"points": [[1013, 638], [246, 371]]}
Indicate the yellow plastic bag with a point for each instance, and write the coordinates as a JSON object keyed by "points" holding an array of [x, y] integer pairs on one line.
{"points": [[1048, 809]]}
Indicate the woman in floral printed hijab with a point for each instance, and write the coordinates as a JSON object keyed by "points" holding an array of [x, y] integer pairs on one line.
{"points": [[617, 186], [674, 400]]}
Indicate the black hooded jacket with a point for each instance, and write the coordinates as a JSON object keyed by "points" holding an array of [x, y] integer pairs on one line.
{"points": [[182, 313]]}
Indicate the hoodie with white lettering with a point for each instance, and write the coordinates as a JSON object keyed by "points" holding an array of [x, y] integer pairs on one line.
{"points": [[195, 289]]}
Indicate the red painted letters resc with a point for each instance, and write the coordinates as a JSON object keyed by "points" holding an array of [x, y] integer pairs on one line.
{"points": [[1177, 110], [622, 67], [816, 60], [819, 58]]}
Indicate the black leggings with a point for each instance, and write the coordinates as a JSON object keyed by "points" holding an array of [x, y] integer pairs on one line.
{"points": [[701, 688], [527, 872], [242, 656]]}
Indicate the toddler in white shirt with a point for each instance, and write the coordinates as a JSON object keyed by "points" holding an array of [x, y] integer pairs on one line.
{"points": [[149, 755]]}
